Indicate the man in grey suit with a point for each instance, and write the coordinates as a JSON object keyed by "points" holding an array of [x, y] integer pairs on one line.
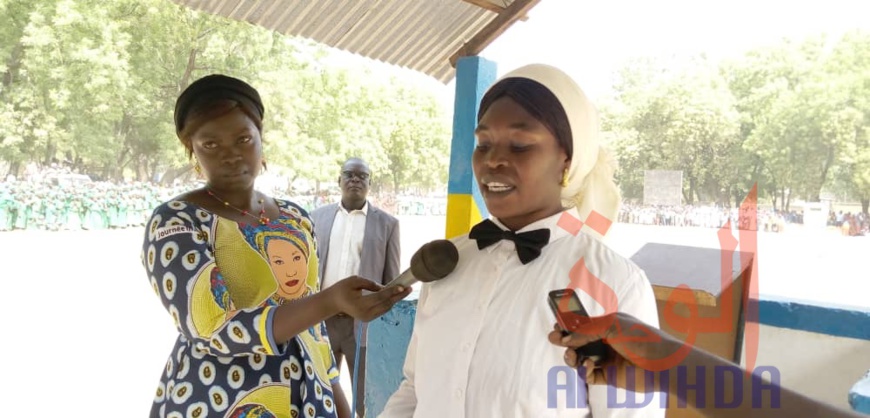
{"points": [[354, 238]]}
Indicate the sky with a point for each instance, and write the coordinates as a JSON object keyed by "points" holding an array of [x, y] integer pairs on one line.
{"points": [[591, 39]]}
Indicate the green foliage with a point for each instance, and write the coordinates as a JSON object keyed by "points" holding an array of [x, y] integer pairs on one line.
{"points": [[850, 65], [94, 83], [674, 118], [792, 118]]}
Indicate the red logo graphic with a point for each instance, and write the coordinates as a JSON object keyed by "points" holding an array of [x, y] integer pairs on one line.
{"points": [[583, 279]]}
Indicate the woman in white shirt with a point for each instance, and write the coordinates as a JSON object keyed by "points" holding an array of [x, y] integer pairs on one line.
{"points": [[479, 347]]}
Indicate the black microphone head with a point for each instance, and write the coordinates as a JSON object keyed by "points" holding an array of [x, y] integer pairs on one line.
{"points": [[434, 260]]}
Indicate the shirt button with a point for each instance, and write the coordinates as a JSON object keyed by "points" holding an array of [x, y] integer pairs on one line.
{"points": [[458, 393], [466, 347]]}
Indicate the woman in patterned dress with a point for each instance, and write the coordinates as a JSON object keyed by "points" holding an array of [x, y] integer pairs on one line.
{"points": [[237, 271]]}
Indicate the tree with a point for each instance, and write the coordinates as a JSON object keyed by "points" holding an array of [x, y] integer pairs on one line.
{"points": [[797, 115], [849, 69], [94, 85], [681, 118]]}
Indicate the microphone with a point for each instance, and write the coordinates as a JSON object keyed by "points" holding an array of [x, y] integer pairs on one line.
{"points": [[433, 261]]}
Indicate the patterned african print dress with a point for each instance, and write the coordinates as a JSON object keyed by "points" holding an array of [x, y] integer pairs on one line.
{"points": [[221, 282]]}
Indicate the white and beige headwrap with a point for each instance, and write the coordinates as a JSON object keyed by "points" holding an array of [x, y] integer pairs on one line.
{"points": [[590, 185]]}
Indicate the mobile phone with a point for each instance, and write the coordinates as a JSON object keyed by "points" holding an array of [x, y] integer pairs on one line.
{"points": [[570, 314]]}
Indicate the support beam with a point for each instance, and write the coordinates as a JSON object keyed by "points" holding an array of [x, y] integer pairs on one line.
{"points": [[494, 29], [484, 4], [465, 206]]}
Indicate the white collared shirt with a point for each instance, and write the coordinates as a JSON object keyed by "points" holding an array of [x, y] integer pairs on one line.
{"points": [[345, 245], [479, 347]]}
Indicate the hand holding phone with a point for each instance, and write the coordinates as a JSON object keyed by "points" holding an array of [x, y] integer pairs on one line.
{"points": [[570, 314]]}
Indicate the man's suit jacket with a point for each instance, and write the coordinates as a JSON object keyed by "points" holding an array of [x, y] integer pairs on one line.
{"points": [[380, 258]]}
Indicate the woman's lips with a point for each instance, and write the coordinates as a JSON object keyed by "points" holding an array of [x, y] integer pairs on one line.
{"points": [[292, 283]]}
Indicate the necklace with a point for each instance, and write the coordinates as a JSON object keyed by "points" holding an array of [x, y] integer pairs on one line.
{"points": [[261, 218]]}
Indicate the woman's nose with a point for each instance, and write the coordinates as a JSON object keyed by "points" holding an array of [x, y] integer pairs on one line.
{"points": [[230, 156], [494, 157]]}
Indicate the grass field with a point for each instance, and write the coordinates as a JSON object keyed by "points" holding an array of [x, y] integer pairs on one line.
{"points": [[83, 323]]}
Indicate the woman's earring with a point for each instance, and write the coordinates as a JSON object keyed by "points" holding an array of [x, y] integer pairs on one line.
{"points": [[196, 166], [264, 164], [564, 182]]}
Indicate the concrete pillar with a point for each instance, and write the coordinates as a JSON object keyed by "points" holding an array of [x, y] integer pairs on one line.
{"points": [[389, 335], [465, 206]]}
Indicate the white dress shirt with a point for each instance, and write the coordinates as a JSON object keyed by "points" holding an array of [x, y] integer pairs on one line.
{"points": [[479, 347], [345, 245]]}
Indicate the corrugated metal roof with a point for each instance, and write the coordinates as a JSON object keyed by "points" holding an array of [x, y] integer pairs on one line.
{"points": [[417, 34]]}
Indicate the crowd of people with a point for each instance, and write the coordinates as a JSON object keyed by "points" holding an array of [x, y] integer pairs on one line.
{"points": [[767, 220], [94, 205], [56, 207], [850, 224], [57, 199]]}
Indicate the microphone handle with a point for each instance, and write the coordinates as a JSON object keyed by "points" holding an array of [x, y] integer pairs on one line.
{"points": [[405, 279]]}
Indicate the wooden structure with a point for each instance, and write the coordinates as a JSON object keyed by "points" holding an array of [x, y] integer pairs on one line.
{"points": [[719, 298]]}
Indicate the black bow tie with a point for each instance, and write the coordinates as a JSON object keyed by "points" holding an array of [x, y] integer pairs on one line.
{"points": [[529, 244]]}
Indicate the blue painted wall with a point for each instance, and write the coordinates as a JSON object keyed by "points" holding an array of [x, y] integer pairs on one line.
{"points": [[388, 338], [859, 396], [827, 320]]}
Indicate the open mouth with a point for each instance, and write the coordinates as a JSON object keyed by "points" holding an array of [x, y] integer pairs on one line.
{"points": [[291, 283], [497, 187]]}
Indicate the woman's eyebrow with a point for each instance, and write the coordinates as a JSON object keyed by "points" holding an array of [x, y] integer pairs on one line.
{"points": [[516, 125]]}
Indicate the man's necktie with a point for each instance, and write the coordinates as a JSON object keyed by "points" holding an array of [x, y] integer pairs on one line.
{"points": [[529, 244]]}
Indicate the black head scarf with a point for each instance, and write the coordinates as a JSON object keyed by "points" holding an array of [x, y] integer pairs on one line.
{"points": [[215, 87]]}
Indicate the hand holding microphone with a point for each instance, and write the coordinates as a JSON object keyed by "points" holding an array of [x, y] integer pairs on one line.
{"points": [[433, 261], [366, 300]]}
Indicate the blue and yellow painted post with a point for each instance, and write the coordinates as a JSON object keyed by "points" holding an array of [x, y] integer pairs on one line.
{"points": [[465, 206], [390, 334]]}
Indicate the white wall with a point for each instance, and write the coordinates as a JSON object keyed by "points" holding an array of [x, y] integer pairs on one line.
{"points": [[822, 367]]}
